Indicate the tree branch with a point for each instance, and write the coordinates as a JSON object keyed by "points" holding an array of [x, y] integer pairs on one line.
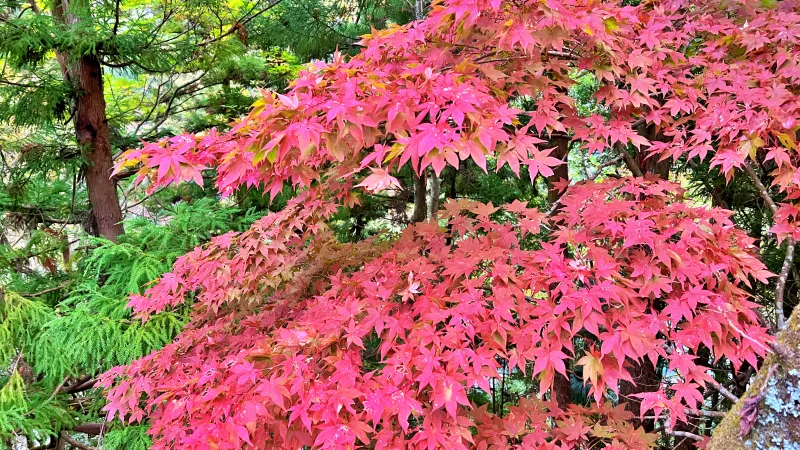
{"points": [[116, 19], [66, 437], [47, 291], [629, 162], [703, 413], [84, 384], [783, 276], [723, 390], [597, 173], [684, 434], [94, 429], [780, 289], [244, 21], [608, 163], [761, 188]]}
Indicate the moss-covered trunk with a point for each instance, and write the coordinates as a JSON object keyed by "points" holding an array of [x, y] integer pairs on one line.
{"points": [[773, 400]]}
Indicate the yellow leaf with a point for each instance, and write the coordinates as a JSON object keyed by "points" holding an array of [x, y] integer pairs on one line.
{"points": [[259, 156], [592, 368], [611, 24], [271, 155], [258, 106], [787, 141], [751, 145], [602, 432], [396, 149]]}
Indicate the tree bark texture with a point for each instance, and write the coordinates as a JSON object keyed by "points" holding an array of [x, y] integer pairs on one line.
{"points": [[420, 204], [772, 402], [561, 151], [652, 165], [91, 129]]}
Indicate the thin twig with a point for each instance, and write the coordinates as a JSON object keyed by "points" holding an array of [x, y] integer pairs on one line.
{"points": [[47, 291], [783, 276], [780, 289], [684, 434], [128, 207], [703, 413], [761, 188], [723, 390], [244, 21], [57, 391], [600, 168], [597, 173]]}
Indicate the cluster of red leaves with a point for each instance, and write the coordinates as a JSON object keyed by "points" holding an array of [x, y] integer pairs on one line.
{"points": [[275, 354], [628, 272], [718, 78]]}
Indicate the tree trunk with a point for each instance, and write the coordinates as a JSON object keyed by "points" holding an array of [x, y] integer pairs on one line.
{"points": [[420, 204], [419, 9], [772, 402], [561, 172], [435, 187], [91, 129], [645, 379], [561, 391], [651, 164]]}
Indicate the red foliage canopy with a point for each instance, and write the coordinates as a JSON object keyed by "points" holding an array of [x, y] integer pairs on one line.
{"points": [[625, 273]]}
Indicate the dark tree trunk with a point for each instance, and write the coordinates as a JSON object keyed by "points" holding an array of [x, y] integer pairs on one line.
{"points": [[651, 165], [561, 151], [435, 188], [91, 129], [645, 379], [645, 376], [453, 179], [561, 386], [420, 204], [561, 391]]}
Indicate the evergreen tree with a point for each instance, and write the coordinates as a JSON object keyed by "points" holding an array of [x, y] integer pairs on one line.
{"points": [[56, 56]]}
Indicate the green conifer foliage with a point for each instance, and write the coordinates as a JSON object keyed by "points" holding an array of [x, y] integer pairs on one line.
{"points": [[48, 349]]}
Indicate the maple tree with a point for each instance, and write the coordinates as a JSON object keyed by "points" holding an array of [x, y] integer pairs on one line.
{"points": [[617, 274]]}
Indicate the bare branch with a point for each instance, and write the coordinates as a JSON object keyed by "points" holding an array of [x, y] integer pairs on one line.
{"points": [[47, 291], [116, 18], [723, 390], [629, 162], [608, 163], [84, 384], [783, 276], [685, 434], [780, 289], [243, 21], [703, 413], [761, 188], [93, 429]]}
